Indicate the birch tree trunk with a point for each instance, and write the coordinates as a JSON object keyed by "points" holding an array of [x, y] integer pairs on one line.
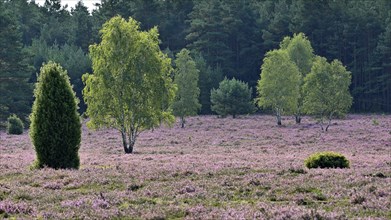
{"points": [[278, 115], [182, 122]]}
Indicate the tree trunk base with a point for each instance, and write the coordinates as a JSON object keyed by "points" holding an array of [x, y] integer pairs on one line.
{"points": [[298, 119], [278, 117], [128, 150], [183, 122]]}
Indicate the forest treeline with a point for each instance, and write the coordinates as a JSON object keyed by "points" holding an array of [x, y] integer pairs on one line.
{"points": [[228, 38]]}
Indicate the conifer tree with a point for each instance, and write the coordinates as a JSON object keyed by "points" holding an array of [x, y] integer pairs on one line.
{"points": [[233, 97], [15, 91], [209, 78], [55, 128]]}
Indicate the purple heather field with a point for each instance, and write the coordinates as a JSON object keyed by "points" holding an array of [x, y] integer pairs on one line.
{"points": [[244, 168]]}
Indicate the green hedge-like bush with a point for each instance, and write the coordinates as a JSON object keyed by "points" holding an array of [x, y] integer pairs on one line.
{"points": [[327, 160], [14, 125]]}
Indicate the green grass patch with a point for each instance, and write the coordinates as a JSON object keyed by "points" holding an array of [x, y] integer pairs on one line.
{"points": [[97, 187], [23, 196], [4, 194], [10, 177]]}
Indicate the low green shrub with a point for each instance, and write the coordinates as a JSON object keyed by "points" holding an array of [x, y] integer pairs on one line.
{"points": [[14, 125], [327, 160]]}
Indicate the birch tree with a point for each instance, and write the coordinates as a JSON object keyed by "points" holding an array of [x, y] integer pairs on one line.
{"points": [[278, 87], [186, 78], [326, 90], [130, 88], [301, 53]]}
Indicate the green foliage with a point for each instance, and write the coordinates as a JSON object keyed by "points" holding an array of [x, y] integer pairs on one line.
{"points": [[225, 33], [326, 90], [301, 53], [209, 78], [278, 87], [30, 18], [55, 128], [233, 97], [58, 26], [380, 81], [130, 89], [15, 91], [274, 17], [326, 160], [232, 36], [186, 78], [82, 22], [206, 32], [70, 57], [14, 125]]}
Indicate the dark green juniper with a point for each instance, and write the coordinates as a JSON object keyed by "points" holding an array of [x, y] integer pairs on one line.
{"points": [[55, 124]]}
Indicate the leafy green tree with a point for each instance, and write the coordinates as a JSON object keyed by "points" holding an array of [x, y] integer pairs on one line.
{"points": [[130, 88], [326, 90], [278, 87], [350, 32], [233, 97], [186, 78], [301, 53], [55, 128]]}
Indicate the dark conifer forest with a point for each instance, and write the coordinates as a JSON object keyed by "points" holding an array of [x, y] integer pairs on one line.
{"points": [[228, 38]]}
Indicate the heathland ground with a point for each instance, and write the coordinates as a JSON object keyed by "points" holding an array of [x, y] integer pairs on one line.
{"points": [[214, 168]]}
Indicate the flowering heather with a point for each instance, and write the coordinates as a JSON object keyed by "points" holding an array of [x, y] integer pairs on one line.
{"points": [[8, 207], [244, 168]]}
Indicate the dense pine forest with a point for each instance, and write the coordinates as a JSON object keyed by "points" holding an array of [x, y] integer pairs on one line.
{"points": [[227, 38]]}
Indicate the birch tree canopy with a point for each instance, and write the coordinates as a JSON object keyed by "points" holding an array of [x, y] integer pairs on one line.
{"points": [[130, 88]]}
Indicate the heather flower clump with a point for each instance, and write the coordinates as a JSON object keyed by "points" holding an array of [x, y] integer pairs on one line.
{"points": [[216, 168], [9, 208]]}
